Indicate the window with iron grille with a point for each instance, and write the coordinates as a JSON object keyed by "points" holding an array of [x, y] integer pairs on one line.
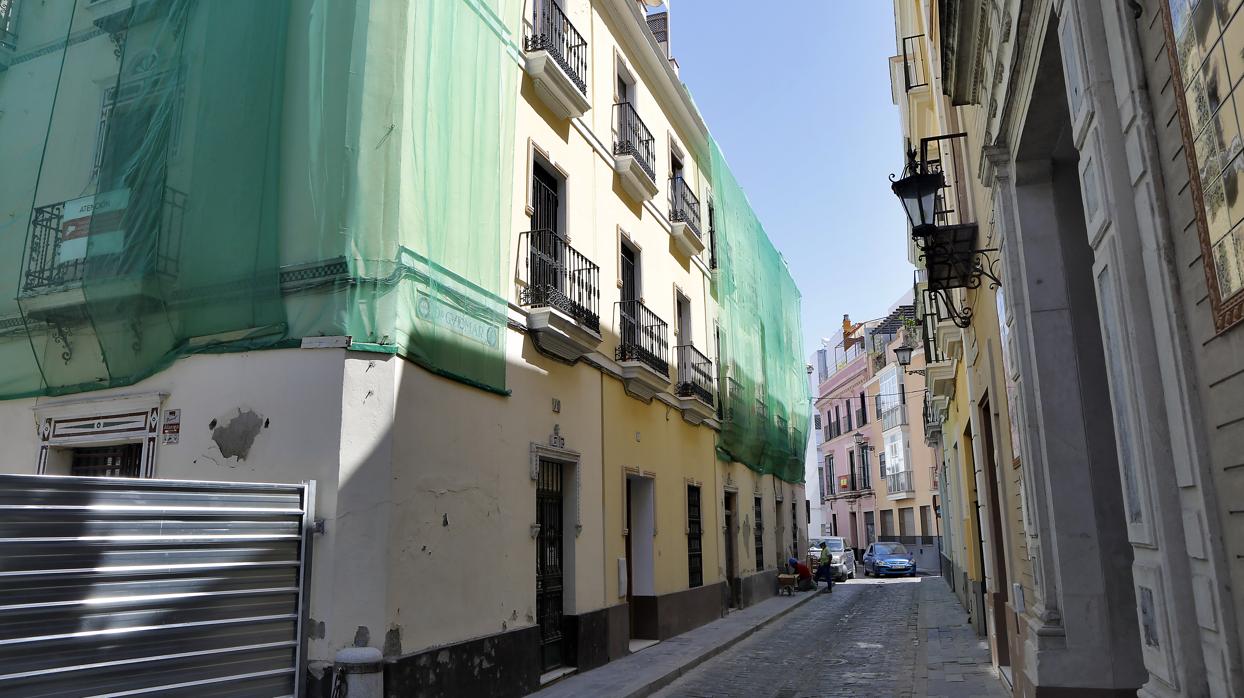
{"points": [[759, 533], [849, 427], [863, 413], [123, 460], [881, 462], [695, 538]]}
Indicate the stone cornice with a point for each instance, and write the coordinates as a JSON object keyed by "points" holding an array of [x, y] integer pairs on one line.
{"points": [[965, 37]]}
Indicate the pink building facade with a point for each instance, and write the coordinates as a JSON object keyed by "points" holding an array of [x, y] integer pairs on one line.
{"points": [[873, 468]]}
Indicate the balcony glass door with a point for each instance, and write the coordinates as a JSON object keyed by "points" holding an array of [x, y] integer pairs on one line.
{"points": [[627, 325], [546, 248]]}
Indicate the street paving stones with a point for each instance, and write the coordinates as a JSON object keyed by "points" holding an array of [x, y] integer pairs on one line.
{"points": [[893, 637], [901, 637]]}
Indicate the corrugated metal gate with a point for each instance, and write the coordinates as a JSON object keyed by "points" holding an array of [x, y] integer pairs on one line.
{"points": [[128, 587]]}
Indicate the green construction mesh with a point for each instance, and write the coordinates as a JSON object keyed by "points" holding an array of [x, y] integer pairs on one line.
{"points": [[221, 175], [764, 386], [225, 175]]}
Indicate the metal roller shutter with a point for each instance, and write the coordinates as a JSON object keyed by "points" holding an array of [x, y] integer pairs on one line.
{"points": [[129, 587]]}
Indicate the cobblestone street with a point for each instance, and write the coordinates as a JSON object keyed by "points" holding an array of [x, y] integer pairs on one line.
{"points": [[865, 639]]}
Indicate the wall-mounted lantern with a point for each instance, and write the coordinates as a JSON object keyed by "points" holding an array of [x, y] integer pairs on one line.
{"points": [[918, 189]]}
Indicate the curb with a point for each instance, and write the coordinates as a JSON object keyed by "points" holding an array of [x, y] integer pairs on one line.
{"points": [[693, 662]]}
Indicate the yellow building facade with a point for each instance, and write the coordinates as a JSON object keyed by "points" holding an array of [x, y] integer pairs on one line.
{"points": [[473, 268], [960, 338]]}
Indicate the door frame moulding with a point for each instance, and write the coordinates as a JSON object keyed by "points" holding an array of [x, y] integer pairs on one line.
{"points": [[564, 457], [97, 421]]}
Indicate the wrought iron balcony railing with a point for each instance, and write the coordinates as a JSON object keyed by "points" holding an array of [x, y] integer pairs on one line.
{"points": [[8, 24], [551, 31], [695, 374], [900, 482], [60, 254], [855, 485], [642, 337], [915, 64], [684, 206], [633, 138], [559, 276]]}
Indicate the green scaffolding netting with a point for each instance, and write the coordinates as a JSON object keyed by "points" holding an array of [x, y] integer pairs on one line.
{"points": [[764, 384], [220, 175]]}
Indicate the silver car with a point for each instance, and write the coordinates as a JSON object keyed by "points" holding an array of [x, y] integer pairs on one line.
{"points": [[842, 558]]}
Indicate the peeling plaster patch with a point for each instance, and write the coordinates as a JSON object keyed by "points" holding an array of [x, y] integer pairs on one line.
{"points": [[362, 636], [315, 629], [237, 434], [393, 642]]}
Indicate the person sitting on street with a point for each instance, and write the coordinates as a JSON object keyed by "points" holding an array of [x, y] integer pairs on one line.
{"points": [[803, 573]]}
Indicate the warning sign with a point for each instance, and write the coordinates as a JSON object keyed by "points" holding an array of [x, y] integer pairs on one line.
{"points": [[170, 433]]}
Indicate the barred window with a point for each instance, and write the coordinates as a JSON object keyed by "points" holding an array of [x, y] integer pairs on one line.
{"points": [[759, 534], [695, 538]]}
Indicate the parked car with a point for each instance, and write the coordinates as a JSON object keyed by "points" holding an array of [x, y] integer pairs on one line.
{"points": [[888, 558], [842, 558]]}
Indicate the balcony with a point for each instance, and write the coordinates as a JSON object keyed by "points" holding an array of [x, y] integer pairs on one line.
{"points": [[562, 288], [116, 16], [851, 486], [634, 153], [695, 384], [642, 350], [8, 32], [98, 239], [685, 217], [900, 485], [932, 422], [893, 414], [556, 61]]}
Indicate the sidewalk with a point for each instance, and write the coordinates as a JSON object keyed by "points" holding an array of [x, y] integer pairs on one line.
{"points": [[952, 660], [646, 671]]}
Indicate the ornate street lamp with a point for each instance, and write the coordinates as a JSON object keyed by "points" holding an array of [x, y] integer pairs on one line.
{"points": [[902, 354], [918, 190]]}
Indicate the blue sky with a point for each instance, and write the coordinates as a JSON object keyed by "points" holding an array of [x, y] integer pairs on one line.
{"points": [[799, 100]]}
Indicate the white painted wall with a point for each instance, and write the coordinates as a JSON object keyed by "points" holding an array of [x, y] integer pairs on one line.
{"points": [[297, 392]]}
